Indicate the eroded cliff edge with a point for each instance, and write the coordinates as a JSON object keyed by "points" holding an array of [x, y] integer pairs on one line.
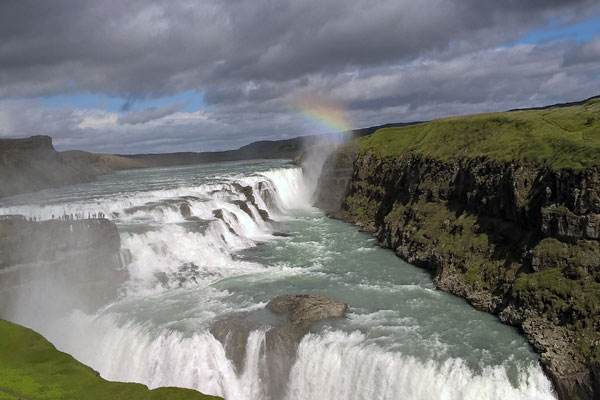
{"points": [[504, 209], [31, 164], [47, 269]]}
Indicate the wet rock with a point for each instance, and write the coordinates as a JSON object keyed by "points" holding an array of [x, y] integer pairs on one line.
{"points": [[514, 238], [218, 214], [233, 331], [305, 309], [267, 194], [264, 214], [244, 207], [162, 278], [185, 211], [282, 341], [290, 318], [281, 234], [246, 191]]}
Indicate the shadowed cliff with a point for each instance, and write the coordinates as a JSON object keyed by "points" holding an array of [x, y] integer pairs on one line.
{"points": [[51, 267], [31, 164], [47, 269], [504, 209]]}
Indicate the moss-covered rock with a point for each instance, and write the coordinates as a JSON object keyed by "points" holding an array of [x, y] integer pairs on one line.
{"points": [[505, 210]]}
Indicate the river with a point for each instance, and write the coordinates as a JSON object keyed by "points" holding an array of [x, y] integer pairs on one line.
{"points": [[401, 338]]}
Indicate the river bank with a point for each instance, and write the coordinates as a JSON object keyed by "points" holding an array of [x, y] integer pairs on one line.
{"points": [[500, 213]]}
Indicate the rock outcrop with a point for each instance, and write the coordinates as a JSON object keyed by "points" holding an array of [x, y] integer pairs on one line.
{"points": [[289, 319], [305, 309], [514, 239], [51, 266], [31, 164]]}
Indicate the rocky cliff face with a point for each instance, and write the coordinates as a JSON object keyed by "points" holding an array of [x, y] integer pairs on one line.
{"points": [[51, 266], [32, 164], [516, 240]]}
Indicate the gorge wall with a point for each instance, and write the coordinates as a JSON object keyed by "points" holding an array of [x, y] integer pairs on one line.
{"points": [[32, 164], [514, 239], [47, 269], [53, 266]]}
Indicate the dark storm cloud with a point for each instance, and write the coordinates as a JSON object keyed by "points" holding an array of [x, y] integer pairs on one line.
{"points": [[584, 53], [387, 60], [149, 48]]}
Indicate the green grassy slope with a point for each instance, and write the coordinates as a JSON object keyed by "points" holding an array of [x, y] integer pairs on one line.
{"points": [[567, 137], [32, 368], [503, 236]]}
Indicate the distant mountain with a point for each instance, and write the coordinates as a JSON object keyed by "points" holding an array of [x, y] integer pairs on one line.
{"points": [[266, 149], [32, 164]]}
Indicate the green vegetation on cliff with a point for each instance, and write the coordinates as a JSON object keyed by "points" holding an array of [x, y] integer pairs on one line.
{"points": [[504, 209], [559, 137], [32, 368]]}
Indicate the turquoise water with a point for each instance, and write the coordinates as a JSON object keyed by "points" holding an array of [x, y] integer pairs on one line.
{"points": [[401, 338]]}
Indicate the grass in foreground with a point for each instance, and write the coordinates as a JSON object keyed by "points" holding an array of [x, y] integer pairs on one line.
{"points": [[32, 368], [567, 137]]}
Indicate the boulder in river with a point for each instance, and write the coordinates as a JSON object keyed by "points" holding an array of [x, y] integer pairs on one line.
{"points": [[305, 309], [185, 210], [290, 318]]}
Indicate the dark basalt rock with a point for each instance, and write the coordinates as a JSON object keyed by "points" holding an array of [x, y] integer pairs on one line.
{"points": [[244, 207], [248, 193], [305, 309], [267, 195], [514, 239], [264, 215], [219, 215], [281, 234], [290, 318], [185, 210]]}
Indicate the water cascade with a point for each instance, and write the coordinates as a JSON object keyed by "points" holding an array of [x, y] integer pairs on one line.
{"points": [[201, 243]]}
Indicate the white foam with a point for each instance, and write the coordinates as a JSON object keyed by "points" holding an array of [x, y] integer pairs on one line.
{"points": [[340, 366], [332, 365]]}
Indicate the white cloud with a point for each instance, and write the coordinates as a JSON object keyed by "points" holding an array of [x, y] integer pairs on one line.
{"points": [[386, 61]]}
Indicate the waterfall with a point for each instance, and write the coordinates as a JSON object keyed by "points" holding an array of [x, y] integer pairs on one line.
{"points": [[179, 244]]}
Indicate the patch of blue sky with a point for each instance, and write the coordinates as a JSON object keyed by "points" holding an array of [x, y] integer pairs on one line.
{"points": [[556, 31], [193, 100]]}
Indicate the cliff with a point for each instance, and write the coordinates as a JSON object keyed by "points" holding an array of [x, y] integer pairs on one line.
{"points": [[504, 209], [32, 164], [51, 266], [47, 269]]}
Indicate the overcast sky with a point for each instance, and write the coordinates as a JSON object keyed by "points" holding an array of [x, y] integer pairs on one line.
{"points": [[130, 76]]}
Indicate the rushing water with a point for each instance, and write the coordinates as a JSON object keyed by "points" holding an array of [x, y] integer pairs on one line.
{"points": [[401, 339]]}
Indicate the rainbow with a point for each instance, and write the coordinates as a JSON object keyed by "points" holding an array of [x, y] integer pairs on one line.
{"points": [[323, 112]]}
